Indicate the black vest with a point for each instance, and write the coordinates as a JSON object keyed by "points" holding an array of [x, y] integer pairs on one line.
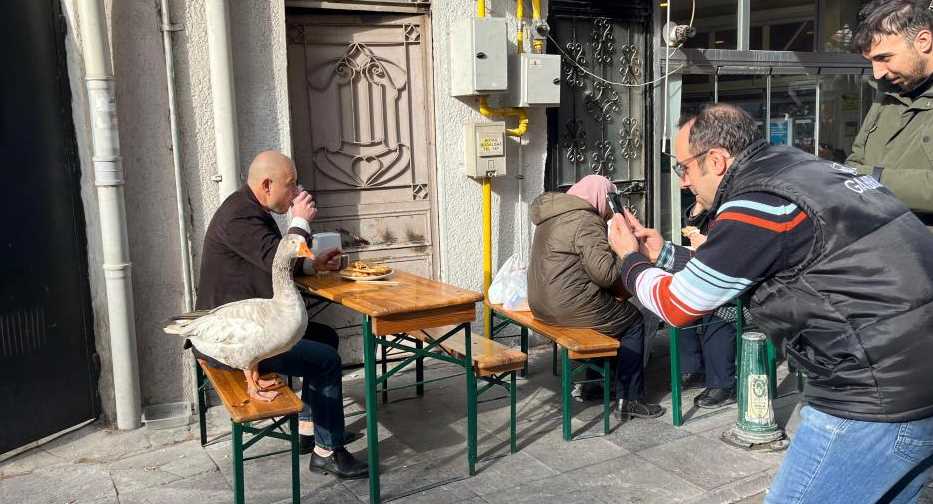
{"points": [[857, 313]]}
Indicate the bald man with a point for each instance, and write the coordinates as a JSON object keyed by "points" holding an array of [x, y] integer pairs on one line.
{"points": [[236, 264]]}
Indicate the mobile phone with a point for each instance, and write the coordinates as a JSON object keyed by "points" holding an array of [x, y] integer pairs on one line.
{"points": [[615, 202]]}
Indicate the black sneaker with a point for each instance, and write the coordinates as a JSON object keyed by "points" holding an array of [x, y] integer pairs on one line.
{"points": [[340, 463], [713, 398], [306, 443], [637, 409], [689, 381]]}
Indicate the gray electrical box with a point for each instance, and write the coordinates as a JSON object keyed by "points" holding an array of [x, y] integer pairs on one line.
{"points": [[485, 149], [534, 80], [478, 56]]}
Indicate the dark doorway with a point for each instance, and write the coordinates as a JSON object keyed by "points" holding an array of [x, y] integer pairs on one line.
{"points": [[48, 375]]}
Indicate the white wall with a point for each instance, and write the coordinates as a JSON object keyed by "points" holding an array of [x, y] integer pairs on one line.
{"points": [[258, 34]]}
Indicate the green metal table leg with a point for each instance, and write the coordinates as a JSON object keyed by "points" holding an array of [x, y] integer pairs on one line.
{"points": [[239, 495], [554, 358], [606, 385], [296, 478], [512, 428], [384, 350], [372, 413], [471, 398], [419, 369], [201, 382], [566, 382], [525, 350], [676, 412]]}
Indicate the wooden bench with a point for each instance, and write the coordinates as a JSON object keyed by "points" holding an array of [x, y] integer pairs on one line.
{"points": [[572, 343], [493, 363], [231, 387]]}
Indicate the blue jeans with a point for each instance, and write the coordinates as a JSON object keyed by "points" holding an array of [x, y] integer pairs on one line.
{"points": [[316, 361], [834, 459]]}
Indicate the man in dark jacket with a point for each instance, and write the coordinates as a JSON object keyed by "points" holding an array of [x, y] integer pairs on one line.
{"points": [[236, 264], [839, 270], [571, 277], [895, 144]]}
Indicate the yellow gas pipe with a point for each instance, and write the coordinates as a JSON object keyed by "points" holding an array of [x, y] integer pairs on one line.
{"points": [[518, 131]]}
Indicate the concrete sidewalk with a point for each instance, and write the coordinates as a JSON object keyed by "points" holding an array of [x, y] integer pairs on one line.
{"points": [[422, 443]]}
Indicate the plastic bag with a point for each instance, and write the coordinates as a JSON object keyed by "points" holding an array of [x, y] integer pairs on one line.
{"points": [[510, 285]]}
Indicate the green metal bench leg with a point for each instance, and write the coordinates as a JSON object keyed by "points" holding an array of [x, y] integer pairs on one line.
{"points": [[676, 412], [201, 381], [372, 408], [296, 478], [566, 382], [384, 350], [512, 427], [239, 495], [606, 385], [554, 358], [525, 350], [419, 370], [471, 399], [772, 367]]}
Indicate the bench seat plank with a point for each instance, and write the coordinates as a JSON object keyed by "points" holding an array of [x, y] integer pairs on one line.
{"points": [[489, 356], [581, 342], [231, 387]]}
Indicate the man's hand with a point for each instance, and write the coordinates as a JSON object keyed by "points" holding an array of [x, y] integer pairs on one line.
{"points": [[328, 261], [303, 206], [650, 241], [621, 239]]}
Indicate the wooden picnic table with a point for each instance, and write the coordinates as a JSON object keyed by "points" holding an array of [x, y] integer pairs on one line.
{"points": [[406, 303]]}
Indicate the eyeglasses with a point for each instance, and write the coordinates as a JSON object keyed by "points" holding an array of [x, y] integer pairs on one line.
{"points": [[680, 168]]}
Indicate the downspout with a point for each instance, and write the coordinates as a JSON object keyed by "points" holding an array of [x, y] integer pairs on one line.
{"points": [[108, 177], [223, 95], [181, 192]]}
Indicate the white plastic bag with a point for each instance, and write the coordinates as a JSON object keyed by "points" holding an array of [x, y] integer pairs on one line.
{"points": [[510, 285]]}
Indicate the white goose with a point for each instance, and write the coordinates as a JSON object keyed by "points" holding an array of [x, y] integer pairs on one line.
{"points": [[243, 333]]}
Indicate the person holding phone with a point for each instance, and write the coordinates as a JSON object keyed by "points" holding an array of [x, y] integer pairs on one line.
{"points": [[236, 264], [574, 280]]}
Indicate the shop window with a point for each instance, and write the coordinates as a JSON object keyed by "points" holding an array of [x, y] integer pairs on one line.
{"points": [[793, 112]]}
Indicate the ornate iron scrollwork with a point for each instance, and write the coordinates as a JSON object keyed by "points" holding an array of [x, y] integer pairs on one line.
{"points": [[574, 75], [573, 141], [630, 138], [630, 64], [602, 102], [603, 40], [604, 158]]}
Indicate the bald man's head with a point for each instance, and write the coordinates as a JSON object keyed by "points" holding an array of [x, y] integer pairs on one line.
{"points": [[273, 180]]}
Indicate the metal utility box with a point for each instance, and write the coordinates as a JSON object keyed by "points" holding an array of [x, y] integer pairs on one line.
{"points": [[534, 80], [478, 57], [485, 149]]}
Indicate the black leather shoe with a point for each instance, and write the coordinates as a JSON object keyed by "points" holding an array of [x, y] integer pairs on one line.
{"points": [[637, 409], [340, 463], [713, 398], [306, 443]]}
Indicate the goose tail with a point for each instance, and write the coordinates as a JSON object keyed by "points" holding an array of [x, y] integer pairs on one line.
{"points": [[177, 323]]}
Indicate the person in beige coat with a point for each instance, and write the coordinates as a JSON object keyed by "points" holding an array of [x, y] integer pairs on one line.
{"points": [[574, 280]]}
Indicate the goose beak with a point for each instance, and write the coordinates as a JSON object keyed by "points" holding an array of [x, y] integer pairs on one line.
{"points": [[304, 251]]}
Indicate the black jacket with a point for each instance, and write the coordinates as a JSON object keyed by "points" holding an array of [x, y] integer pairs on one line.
{"points": [[857, 313]]}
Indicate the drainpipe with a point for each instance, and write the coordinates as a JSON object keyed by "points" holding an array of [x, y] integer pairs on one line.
{"points": [[181, 192], [108, 177], [223, 95]]}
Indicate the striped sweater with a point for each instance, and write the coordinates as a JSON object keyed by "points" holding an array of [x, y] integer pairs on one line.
{"points": [[749, 240]]}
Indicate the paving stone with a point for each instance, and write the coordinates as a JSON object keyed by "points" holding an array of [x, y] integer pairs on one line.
{"points": [[92, 444], [29, 461], [62, 483], [631, 478], [329, 494], [752, 487], [641, 434], [403, 479], [561, 488], [704, 462], [206, 488], [548, 447]]}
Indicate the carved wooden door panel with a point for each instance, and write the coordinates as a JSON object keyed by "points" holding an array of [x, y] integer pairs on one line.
{"points": [[362, 132]]}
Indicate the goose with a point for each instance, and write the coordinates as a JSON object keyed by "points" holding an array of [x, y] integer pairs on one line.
{"points": [[243, 333]]}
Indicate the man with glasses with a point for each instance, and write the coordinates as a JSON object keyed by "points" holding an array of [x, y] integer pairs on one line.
{"points": [[895, 144], [838, 270]]}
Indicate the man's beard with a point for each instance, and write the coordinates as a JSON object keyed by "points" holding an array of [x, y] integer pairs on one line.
{"points": [[915, 77]]}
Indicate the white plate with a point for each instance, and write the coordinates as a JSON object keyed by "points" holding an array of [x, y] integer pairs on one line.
{"points": [[366, 278]]}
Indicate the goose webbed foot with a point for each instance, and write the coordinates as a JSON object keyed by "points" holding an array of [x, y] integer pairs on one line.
{"points": [[253, 388]]}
